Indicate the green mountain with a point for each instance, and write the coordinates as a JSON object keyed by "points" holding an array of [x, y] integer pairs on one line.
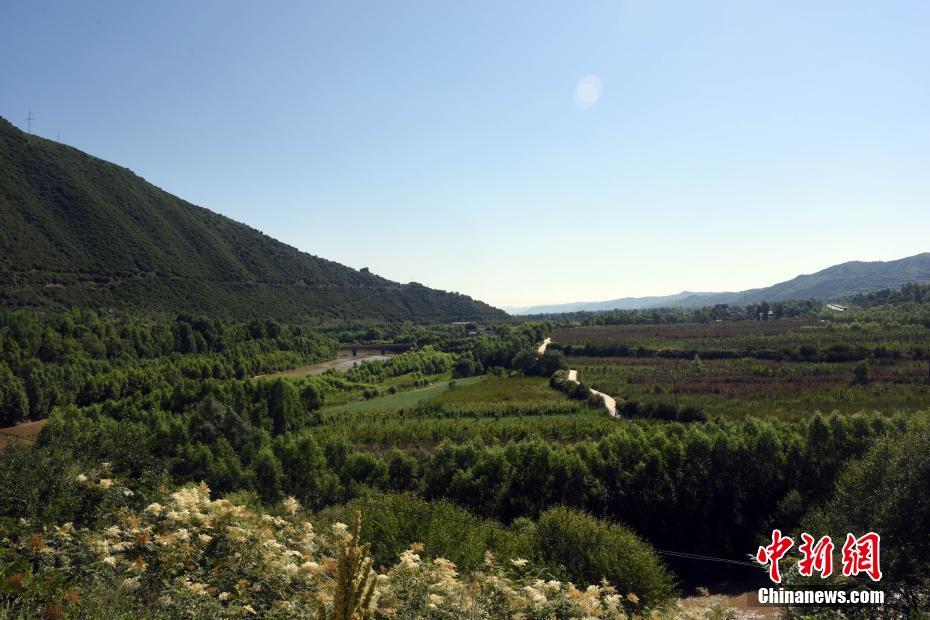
{"points": [[836, 282], [76, 230]]}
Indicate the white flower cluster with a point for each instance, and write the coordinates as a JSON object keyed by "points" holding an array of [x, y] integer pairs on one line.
{"points": [[417, 588], [224, 560]]}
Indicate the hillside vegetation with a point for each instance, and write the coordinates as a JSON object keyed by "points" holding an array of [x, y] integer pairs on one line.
{"points": [[76, 230]]}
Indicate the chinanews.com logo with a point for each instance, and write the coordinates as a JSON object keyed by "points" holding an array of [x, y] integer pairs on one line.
{"points": [[860, 555]]}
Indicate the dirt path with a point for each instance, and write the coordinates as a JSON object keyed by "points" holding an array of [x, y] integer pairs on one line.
{"points": [[609, 401]]}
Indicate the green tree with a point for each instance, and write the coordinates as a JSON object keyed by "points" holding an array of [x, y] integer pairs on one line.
{"points": [[888, 491], [549, 362], [861, 374], [764, 310], [14, 405], [589, 550], [268, 476], [283, 406], [312, 396]]}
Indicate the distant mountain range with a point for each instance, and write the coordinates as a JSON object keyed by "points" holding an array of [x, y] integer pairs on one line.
{"points": [[79, 231], [829, 284]]}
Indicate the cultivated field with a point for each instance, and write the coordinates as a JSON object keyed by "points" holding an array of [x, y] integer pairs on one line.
{"points": [[752, 338], [790, 368], [736, 388], [492, 409]]}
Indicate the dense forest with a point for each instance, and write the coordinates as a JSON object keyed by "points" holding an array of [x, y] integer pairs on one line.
{"points": [[908, 294], [86, 357]]}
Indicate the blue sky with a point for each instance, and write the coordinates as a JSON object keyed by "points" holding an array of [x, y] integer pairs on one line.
{"points": [[519, 152]]}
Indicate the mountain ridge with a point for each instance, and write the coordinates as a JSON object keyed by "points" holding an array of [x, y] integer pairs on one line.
{"points": [[76, 230], [829, 284]]}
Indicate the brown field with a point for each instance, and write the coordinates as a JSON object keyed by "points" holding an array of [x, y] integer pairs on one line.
{"points": [[789, 390], [676, 331], [28, 432], [743, 336]]}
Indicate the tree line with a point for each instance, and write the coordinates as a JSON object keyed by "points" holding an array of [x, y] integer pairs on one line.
{"points": [[728, 481], [84, 357]]}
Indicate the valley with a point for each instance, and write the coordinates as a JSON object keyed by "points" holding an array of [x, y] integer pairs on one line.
{"points": [[200, 421]]}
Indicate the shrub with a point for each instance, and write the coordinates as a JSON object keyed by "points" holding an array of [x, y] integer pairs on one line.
{"points": [[691, 414], [861, 374], [196, 557], [592, 550]]}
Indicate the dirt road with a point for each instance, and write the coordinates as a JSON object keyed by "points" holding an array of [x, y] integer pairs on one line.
{"points": [[609, 401]]}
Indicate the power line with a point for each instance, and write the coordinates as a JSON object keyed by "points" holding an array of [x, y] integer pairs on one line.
{"points": [[705, 558]]}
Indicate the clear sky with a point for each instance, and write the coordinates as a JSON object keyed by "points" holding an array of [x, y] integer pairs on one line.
{"points": [[519, 152]]}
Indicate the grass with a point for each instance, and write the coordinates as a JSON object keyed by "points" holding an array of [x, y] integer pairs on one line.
{"points": [[418, 429], [502, 392], [402, 400], [516, 390], [492, 409]]}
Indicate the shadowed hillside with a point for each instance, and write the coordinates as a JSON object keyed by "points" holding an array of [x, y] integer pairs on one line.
{"points": [[76, 230]]}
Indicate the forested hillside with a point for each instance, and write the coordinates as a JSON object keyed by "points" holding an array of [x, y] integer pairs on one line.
{"points": [[76, 230]]}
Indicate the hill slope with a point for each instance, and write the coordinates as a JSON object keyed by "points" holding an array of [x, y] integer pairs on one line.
{"points": [[77, 230], [831, 283]]}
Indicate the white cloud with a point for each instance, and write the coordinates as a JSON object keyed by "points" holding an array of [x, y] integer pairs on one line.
{"points": [[588, 91]]}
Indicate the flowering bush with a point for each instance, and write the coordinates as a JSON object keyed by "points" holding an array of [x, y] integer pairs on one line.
{"points": [[193, 556], [417, 588]]}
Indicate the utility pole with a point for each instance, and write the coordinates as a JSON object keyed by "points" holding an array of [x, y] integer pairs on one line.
{"points": [[29, 122], [58, 137]]}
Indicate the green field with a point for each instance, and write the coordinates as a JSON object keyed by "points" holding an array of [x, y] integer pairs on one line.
{"points": [[504, 392], [408, 398], [493, 409]]}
